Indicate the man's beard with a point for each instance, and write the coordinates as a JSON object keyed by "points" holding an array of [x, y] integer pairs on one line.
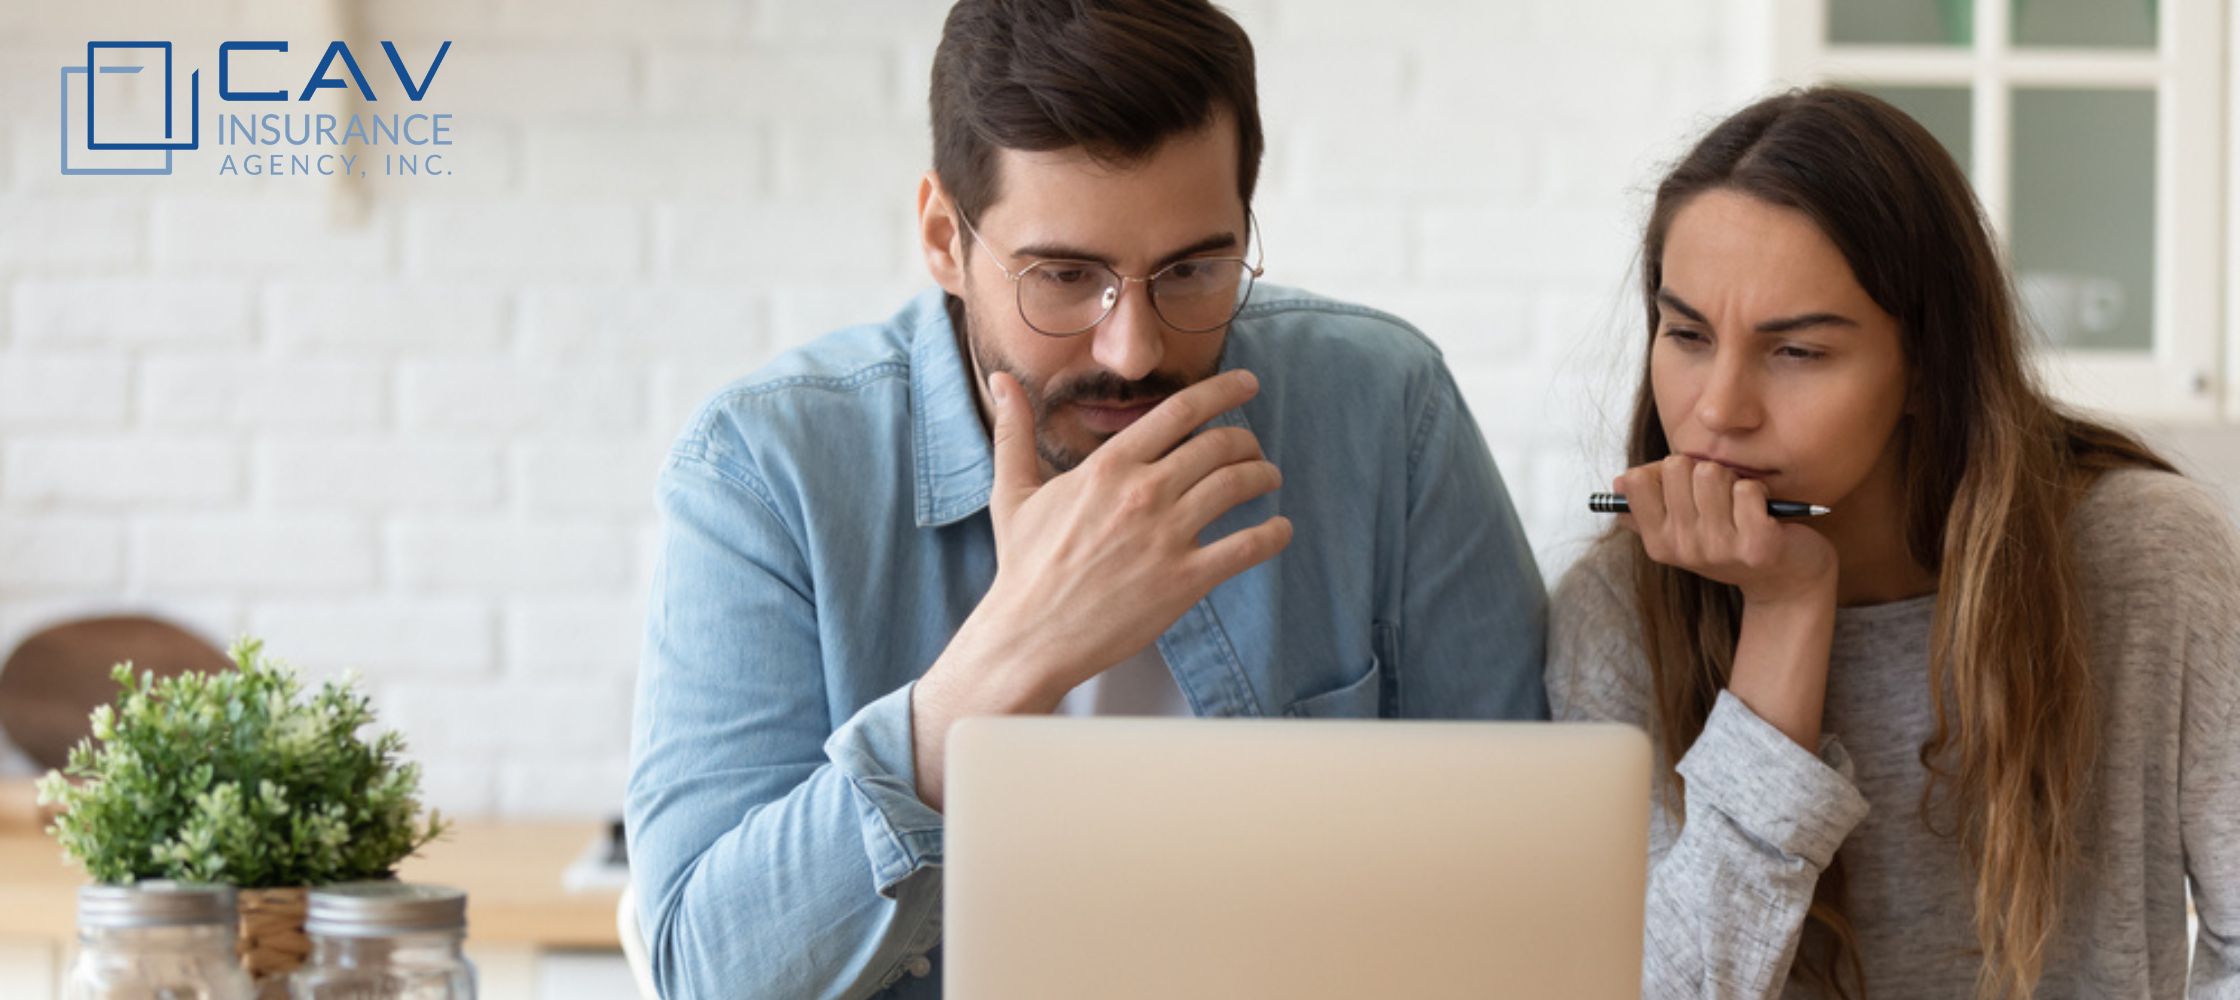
{"points": [[1101, 387]]}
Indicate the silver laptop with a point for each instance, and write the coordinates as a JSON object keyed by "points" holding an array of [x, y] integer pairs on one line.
{"points": [[1182, 858]]}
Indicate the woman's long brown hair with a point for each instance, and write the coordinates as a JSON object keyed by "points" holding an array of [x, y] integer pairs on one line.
{"points": [[1991, 468]]}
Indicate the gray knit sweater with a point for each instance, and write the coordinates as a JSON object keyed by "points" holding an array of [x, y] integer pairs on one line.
{"points": [[1730, 882]]}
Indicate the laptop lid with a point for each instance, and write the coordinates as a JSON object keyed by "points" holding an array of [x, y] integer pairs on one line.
{"points": [[1170, 858]]}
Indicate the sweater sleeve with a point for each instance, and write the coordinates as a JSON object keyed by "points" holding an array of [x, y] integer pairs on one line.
{"points": [[2209, 809], [2199, 544], [1730, 881]]}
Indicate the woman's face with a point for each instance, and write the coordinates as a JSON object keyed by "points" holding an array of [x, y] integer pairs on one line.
{"points": [[1769, 358]]}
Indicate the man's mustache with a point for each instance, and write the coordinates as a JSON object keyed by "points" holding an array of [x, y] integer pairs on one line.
{"points": [[1111, 390]]}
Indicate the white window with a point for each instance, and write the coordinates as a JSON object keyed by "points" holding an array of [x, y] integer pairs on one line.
{"points": [[2094, 133]]}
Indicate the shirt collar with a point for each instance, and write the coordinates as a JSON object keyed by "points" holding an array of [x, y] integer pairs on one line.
{"points": [[955, 463]]}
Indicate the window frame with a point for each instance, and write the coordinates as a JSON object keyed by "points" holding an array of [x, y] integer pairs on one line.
{"points": [[2189, 375]]}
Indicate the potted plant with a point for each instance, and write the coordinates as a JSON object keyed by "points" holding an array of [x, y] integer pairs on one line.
{"points": [[238, 777]]}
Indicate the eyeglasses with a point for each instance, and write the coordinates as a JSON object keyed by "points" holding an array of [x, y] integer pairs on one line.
{"points": [[1062, 298]]}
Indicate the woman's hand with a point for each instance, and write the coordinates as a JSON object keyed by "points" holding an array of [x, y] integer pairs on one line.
{"points": [[1701, 517]]}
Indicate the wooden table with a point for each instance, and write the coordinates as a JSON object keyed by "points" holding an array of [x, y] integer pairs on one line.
{"points": [[516, 905]]}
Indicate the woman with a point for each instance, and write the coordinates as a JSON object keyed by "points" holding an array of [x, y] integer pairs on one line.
{"points": [[1970, 733]]}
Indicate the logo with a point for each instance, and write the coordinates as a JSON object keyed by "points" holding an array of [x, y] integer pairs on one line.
{"points": [[127, 111], [105, 60]]}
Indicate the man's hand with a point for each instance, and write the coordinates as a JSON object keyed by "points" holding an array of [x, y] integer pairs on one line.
{"points": [[1092, 565]]}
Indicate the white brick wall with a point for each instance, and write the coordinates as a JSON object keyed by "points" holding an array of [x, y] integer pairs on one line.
{"points": [[234, 391], [77, 313], [384, 317], [513, 239], [74, 231], [397, 639], [504, 556], [643, 324], [66, 392], [518, 396], [410, 425], [153, 470], [59, 553], [264, 553], [377, 475]]}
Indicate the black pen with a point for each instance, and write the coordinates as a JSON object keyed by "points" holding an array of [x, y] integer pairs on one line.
{"points": [[1615, 503]]}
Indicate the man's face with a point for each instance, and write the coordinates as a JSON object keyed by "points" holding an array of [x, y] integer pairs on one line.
{"points": [[1179, 202]]}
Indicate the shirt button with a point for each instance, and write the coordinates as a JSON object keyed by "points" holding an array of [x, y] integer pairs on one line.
{"points": [[918, 966]]}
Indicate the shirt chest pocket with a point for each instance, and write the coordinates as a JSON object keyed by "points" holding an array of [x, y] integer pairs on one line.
{"points": [[1370, 693]]}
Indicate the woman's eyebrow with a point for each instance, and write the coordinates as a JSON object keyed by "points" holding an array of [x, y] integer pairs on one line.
{"points": [[1786, 324], [1791, 324], [1679, 305]]}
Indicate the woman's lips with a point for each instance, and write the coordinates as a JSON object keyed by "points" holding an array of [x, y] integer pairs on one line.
{"points": [[1745, 471], [1112, 419]]}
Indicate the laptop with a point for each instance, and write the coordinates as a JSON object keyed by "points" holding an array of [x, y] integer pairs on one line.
{"points": [[1301, 859]]}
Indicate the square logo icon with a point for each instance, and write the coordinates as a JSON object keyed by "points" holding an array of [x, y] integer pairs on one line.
{"points": [[120, 111]]}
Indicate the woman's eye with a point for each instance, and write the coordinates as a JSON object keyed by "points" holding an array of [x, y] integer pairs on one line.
{"points": [[1685, 335], [1797, 353]]}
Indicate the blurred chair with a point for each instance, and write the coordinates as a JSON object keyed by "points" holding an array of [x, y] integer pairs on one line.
{"points": [[53, 680], [634, 943]]}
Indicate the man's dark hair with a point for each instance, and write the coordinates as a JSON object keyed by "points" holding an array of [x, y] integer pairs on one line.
{"points": [[1115, 78]]}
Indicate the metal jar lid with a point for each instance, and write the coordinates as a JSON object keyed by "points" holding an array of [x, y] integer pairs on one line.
{"points": [[381, 909], [154, 904]]}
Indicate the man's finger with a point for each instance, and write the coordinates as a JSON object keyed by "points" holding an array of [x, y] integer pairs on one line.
{"points": [[1204, 454], [1018, 471], [1158, 431], [1244, 549], [1222, 491]]}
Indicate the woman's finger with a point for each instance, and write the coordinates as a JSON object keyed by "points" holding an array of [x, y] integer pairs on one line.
{"points": [[1712, 486]]}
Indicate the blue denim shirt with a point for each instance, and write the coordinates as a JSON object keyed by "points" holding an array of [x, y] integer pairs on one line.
{"points": [[826, 532]]}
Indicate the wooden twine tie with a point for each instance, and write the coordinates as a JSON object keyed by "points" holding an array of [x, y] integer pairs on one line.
{"points": [[273, 943]]}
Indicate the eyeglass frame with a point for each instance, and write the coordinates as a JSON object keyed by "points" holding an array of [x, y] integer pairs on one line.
{"points": [[1018, 297]]}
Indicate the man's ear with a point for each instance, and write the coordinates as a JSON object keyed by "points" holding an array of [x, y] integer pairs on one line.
{"points": [[940, 236]]}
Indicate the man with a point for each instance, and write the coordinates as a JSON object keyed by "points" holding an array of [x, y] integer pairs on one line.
{"points": [[1074, 478]]}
